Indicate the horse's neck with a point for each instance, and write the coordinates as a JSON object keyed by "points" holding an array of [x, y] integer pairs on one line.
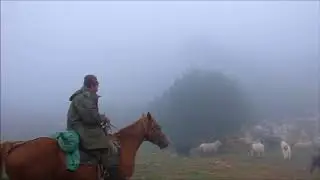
{"points": [[131, 142], [132, 133], [130, 139]]}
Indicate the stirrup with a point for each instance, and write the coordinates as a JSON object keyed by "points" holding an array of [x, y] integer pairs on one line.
{"points": [[105, 174]]}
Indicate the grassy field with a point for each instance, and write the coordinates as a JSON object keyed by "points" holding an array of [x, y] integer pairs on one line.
{"points": [[157, 165], [153, 164]]}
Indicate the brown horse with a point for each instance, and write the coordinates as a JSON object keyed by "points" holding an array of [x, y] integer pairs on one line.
{"points": [[42, 159]]}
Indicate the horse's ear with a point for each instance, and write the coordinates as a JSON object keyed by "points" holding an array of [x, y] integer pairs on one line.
{"points": [[149, 116], [143, 115]]}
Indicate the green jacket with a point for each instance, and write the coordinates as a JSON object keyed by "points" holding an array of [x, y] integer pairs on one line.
{"points": [[84, 118]]}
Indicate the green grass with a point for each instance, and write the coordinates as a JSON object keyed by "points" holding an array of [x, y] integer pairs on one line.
{"points": [[159, 165], [153, 164]]}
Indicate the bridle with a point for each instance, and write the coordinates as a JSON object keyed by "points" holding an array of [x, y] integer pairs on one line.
{"points": [[146, 125]]}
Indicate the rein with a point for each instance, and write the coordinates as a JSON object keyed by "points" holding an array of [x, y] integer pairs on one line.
{"points": [[140, 122], [111, 125], [107, 123]]}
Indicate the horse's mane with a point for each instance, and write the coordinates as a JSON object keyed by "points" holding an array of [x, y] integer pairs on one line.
{"points": [[129, 126]]}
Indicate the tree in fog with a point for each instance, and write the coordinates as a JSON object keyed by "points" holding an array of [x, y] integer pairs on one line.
{"points": [[201, 106]]}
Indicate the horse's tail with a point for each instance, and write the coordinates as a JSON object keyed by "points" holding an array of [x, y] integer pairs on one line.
{"points": [[2, 149], [1, 160]]}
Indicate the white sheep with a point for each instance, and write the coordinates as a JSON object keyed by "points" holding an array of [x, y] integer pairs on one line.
{"points": [[210, 147], [286, 150], [257, 148]]}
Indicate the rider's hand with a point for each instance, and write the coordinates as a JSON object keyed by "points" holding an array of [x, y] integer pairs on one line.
{"points": [[104, 119]]}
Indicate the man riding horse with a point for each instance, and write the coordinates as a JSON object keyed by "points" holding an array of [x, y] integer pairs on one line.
{"points": [[84, 118]]}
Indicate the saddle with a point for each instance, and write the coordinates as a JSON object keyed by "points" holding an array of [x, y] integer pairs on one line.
{"points": [[89, 158], [76, 155]]}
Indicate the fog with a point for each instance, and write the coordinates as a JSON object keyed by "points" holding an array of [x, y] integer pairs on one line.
{"points": [[138, 49]]}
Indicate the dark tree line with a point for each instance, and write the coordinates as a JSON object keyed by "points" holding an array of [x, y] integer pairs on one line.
{"points": [[201, 106]]}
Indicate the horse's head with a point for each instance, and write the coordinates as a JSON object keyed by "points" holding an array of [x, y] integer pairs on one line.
{"points": [[153, 132], [218, 143]]}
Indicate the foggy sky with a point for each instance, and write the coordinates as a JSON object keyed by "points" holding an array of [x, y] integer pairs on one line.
{"points": [[137, 49]]}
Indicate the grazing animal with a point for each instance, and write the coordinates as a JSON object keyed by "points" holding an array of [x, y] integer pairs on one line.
{"points": [[210, 147], [43, 159], [286, 150], [256, 148]]}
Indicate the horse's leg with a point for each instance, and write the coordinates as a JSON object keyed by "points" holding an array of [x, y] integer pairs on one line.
{"points": [[289, 155], [286, 155], [113, 174]]}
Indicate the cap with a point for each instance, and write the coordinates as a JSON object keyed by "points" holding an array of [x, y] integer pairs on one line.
{"points": [[90, 80]]}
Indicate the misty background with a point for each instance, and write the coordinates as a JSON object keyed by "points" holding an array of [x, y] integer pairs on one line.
{"points": [[138, 50]]}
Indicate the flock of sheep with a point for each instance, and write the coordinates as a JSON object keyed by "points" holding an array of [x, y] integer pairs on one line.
{"points": [[259, 149], [255, 149]]}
